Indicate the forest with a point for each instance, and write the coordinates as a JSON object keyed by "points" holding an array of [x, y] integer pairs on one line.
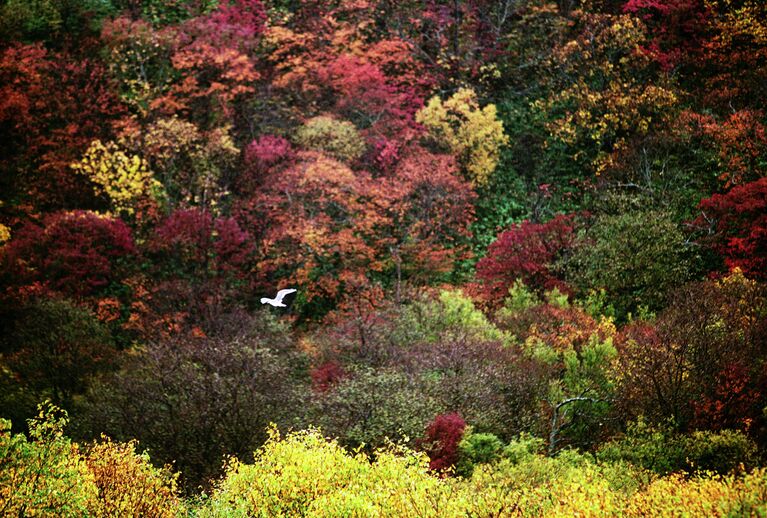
{"points": [[528, 240]]}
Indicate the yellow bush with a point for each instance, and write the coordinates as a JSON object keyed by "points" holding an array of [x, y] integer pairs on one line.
{"points": [[48, 475], [5, 233], [286, 477], [397, 484], [475, 135], [45, 475], [572, 485], [338, 138], [305, 474], [189, 162], [606, 101], [128, 485], [124, 179], [539, 486], [704, 496]]}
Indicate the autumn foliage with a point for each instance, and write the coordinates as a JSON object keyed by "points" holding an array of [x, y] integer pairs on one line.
{"points": [[441, 441], [737, 226], [527, 251], [77, 253], [527, 239]]}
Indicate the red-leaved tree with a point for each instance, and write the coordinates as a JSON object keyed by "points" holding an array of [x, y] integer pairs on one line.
{"points": [[443, 435], [324, 227], [737, 222], [52, 106], [196, 242], [526, 251], [76, 253], [676, 28], [326, 376], [431, 212], [702, 361]]}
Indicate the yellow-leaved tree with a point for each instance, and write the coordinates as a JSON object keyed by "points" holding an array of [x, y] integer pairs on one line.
{"points": [[5, 233], [473, 134], [123, 178], [338, 138], [605, 99], [187, 161]]}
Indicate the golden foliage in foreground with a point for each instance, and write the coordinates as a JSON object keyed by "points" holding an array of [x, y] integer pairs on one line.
{"points": [[306, 474]]}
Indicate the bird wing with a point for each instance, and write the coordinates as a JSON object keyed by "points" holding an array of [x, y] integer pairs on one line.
{"points": [[281, 294]]}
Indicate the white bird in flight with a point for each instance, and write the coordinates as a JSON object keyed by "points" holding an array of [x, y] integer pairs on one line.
{"points": [[277, 301]]}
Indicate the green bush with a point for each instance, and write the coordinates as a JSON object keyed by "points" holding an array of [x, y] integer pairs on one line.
{"points": [[52, 21], [523, 447], [721, 452], [339, 138], [372, 407], [660, 450], [452, 317], [636, 257], [50, 351], [44, 475], [477, 448]]}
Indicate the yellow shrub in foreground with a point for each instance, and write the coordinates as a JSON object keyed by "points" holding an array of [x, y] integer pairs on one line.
{"points": [[48, 475], [305, 474], [704, 496], [44, 476], [128, 485], [541, 486]]}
